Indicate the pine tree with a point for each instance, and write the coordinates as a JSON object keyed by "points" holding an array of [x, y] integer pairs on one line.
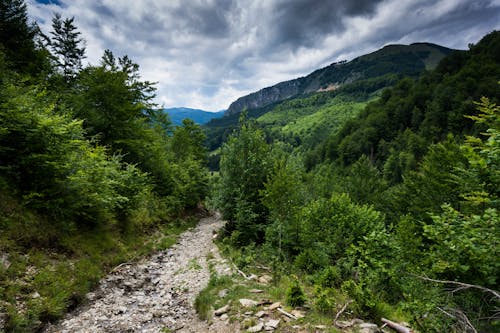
{"points": [[67, 46]]}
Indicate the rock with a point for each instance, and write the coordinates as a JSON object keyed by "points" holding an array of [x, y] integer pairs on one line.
{"points": [[274, 306], [256, 291], [261, 314], [4, 260], [222, 310], [273, 323], [252, 277], [298, 313], [321, 327], [35, 295], [224, 317], [247, 302], [343, 323], [265, 279], [222, 293], [91, 296], [368, 328], [120, 310], [256, 328]]}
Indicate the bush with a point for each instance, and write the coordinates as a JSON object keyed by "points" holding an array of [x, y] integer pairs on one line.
{"points": [[295, 295]]}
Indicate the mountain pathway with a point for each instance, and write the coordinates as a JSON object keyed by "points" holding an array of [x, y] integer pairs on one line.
{"points": [[157, 293]]}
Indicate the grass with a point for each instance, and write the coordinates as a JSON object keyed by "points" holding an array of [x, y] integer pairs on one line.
{"points": [[207, 299], [311, 118]]}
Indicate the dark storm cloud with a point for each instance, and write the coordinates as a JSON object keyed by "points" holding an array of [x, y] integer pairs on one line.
{"points": [[208, 20], [207, 53], [304, 22]]}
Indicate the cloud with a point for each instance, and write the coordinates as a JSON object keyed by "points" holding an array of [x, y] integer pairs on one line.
{"points": [[207, 53]]}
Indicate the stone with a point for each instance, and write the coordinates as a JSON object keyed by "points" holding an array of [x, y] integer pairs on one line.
{"points": [[274, 306], [91, 296], [256, 291], [274, 323], [224, 317], [320, 327], [257, 328], [120, 310], [222, 310], [298, 313], [265, 279], [247, 302], [4, 260], [343, 323], [252, 277], [222, 293], [35, 295], [368, 328], [261, 314]]}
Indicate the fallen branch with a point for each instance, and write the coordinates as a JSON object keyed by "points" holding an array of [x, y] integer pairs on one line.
{"points": [[461, 317], [395, 326], [263, 267], [289, 315], [341, 311], [461, 285], [238, 270]]}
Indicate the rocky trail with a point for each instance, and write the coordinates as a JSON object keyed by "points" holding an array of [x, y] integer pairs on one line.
{"points": [[157, 293]]}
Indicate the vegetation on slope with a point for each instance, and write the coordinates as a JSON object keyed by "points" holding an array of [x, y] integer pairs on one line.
{"points": [[392, 210], [88, 169]]}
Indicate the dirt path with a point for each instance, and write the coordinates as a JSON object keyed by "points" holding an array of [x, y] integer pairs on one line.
{"points": [[156, 294]]}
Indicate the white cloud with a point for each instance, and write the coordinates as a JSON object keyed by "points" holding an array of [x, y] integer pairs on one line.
{"points": [[207, 53]]}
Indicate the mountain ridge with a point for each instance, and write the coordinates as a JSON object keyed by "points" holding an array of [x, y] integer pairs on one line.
{"points": [[393, 58]]}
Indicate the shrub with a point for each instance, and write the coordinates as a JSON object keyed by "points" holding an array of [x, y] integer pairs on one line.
{"points": [[295, 295]]}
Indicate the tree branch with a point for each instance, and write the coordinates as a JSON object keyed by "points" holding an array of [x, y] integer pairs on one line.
{"points": [[461, 285]]}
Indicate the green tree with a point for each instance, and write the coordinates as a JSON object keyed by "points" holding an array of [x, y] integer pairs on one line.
{"points": [[18, 39], [67, 46], [284, 196], [244, 168]]}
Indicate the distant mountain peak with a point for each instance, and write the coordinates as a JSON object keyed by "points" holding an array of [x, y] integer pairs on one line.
{"points": [[178, 114]]}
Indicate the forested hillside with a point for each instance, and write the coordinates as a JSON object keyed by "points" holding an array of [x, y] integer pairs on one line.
{"points": [[340, 91], [394, 214], [88, 168]]}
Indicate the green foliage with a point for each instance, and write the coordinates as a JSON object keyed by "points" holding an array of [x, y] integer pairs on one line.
{"points": [[283, 196], [243, 171], [66, 46], [88, 168], [19, 39], [406, 191], [335, 224], [295, 295]]}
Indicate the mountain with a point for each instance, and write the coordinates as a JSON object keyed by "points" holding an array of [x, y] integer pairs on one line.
{"points": [[198, 116], [408, 60]]}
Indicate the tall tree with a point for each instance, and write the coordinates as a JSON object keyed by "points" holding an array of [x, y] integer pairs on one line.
{"points": [[244, 168], [67, 46], [17, 38]]}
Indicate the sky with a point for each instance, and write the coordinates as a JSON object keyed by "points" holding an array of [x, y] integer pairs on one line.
{"points": [[206, 53]]}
